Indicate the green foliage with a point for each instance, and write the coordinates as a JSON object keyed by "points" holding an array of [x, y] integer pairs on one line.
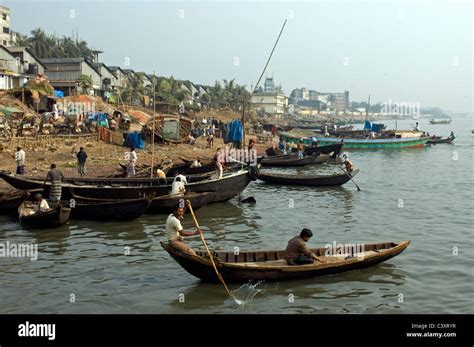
{"points": [[50, 46], [85, 83]]}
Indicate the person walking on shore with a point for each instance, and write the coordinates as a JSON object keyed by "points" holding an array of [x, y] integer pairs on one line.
{"points": [[20, 161], [56, 177], [81, 161]]}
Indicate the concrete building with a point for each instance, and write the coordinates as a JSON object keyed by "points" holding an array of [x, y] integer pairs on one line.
{"points": [[340, 100], [17, 66], [64, 72], [275, 103], [120, 77], [5, 26], [8, 69]]}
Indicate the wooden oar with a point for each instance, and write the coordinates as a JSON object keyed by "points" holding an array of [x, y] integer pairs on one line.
{"points": [[350, 178], [210, 255]]}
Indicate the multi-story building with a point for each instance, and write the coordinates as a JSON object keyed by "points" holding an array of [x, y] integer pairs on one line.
{"points": [[17, 66], [271, 103], [64, 72], [5, 26]]}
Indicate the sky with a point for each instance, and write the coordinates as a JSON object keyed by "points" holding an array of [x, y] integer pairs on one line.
{"points": [[403, 51]]}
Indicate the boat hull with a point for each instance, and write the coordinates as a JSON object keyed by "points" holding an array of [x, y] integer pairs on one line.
{"points": [[312, 181], [50, 219], [246, 266]]}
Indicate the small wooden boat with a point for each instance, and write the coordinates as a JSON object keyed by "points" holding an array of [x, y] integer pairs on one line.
{"points": [[10, 201], [291, 160], [335, 149], [313, 181], [166, 204], [107, 210], [438, 139], [55, 217], [272, 266]]}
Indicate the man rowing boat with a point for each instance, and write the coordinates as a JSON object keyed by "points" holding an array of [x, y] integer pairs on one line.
{"points": [[175, 232], [297, 253]]}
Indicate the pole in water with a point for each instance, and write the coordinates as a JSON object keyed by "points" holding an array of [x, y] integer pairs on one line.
{"points": [[351, 179], [237, 301]]}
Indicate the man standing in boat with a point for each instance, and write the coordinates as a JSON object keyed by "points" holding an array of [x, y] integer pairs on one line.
{"points": [[175, 232], [300, 148], [56, 177], [297, 253]]}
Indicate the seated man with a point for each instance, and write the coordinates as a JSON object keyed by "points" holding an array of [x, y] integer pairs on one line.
{"points": [[175, 232], [297, 253], [177, 188], [41, 205]]}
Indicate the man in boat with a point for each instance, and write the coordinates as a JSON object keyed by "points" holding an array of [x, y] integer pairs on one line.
{"points": [[219, 161], [41, 205], [196, 163], [297, 253], [300, 148], [56, 177], [175, 232]]}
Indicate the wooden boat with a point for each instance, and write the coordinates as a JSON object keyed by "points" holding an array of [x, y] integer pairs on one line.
{"points": [[55, 217], [271, 265], [10, 201], [107, 210], [166, 204], [335, 149], [313, 181], [290, 160], [128, 188], [376, 143], [440, 121], [438, 139]]}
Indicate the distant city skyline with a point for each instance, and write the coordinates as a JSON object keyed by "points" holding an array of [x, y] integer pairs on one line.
{"points": [[405, 51]]}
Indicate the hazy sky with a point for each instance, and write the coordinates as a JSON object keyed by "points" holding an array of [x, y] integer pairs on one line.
{"points": [[411, 51]]}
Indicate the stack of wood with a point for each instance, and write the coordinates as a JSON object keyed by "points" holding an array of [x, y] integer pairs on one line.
{"points": [[185, 126]]}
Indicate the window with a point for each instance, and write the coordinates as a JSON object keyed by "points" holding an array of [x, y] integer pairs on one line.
{"points": [[6, 30], [4, 16], [4, 42]]}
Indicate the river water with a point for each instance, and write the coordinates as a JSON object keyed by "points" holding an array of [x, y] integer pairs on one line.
{"points": [[423, 195]]}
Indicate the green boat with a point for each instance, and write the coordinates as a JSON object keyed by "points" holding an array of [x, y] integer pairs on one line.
{"points": [[402, 139], [375, 143]]}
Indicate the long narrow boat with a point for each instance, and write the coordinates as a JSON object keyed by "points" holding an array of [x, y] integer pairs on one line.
{"points": [[290, 160], [380, 143], [107, 210], [440, 121], [438, 139], [223, 189], [272, 266], [313, 181], [55, 217]]}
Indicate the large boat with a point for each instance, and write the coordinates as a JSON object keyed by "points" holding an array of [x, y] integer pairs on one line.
{"points": [[302, 180], [389, 140], [222, 189], [271, 265]]}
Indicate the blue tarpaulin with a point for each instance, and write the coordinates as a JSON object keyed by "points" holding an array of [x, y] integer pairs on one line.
{"points": [[135, 140], [236, 131], [377, 127], [367, 125], [59, 93]]}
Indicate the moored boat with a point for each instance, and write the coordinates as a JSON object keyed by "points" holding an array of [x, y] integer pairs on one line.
{"points": [[291, 160], [166, 204], [376, 143], [10, 201], [314, 181], [107, 210], [271, 265], [223, 189], [438, 139], [441, 121]]}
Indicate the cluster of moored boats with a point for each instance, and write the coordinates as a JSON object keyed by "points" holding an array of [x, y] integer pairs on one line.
{"points": [[118, 198]]}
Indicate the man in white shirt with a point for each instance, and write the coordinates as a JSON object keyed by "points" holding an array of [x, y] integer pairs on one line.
{"points": [[175, 232], [181, 177], [20, 161], [132, 160], [41, 204], [177, 188]]}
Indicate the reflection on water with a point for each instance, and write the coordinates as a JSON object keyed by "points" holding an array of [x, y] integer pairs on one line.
{"points": [[424, 195]]}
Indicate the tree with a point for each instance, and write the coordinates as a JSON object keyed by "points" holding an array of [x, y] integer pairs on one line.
{"points": [[85, 83]]}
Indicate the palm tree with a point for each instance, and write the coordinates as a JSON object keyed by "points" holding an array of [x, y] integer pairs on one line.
{"points": [[40, 42], [134, 89], [22, 40]]}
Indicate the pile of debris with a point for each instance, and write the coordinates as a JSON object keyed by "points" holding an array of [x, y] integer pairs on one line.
{"points": [[168, 128]]}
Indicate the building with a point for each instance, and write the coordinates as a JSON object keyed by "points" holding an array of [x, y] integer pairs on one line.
{"points": [[17, 66], [300, 96], [64, 72], [107, 77], [269, 85], [339, 101], [5, 26], [8, 69], [120, 77], [270, 103]]}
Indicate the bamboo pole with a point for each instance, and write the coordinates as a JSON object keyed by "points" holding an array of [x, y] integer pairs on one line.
{"points": [[153, 133]]}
